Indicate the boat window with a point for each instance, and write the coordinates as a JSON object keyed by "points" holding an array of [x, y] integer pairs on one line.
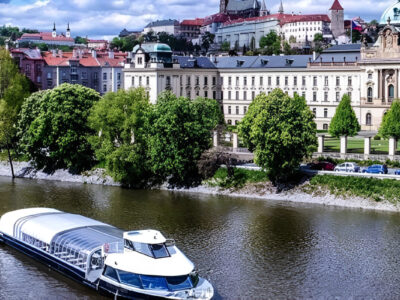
{"points": [[159, 250], [154, 282], [129, 245], [179, 283], [143, 248], [111, 273], [130, 279]]}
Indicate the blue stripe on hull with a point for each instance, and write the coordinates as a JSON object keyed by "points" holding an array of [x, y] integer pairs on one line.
{"points": [[111, 290]]}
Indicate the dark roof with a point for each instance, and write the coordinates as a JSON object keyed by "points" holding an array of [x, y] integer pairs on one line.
{"points": [[239, 5], [336, 6], [263, 62], [339, 57], [162, 23], [187, 62], [344, 48]]}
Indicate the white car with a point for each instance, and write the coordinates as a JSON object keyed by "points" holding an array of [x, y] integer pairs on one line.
{"points": [[347, 167]]}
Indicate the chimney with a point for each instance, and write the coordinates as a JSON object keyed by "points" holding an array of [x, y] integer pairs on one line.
{"points": [[74, 53], [111, 54], [314, 56], [60, 53], [54, 52], [94, 53]]}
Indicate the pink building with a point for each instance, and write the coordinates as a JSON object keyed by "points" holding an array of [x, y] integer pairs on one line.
{"points": [[30, 63]]}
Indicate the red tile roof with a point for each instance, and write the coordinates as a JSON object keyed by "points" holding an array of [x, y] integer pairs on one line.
{"points": [[304, 18], [218, 18], [45, 36], [195, 22], [241, 20], [336, 6], [87, 60], [97, 41]]}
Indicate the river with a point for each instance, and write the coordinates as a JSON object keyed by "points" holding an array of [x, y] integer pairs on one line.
{"points": [[247, 248]]}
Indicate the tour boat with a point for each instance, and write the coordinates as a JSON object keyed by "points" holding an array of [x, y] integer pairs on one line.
{"points": [[139, 264]]}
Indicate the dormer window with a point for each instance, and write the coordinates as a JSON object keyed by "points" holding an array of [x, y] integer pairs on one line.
{"points": [[240, 63], [140, 60]]}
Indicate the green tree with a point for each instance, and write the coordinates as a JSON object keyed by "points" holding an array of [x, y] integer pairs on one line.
{"points": [[121, 120], [14, 88], [269, 39], [318, 37], [281, 131], [57, 137], [390, 126], [226, 46], [287, 50], [292, 39], [80, 40], [207, 40], [344, 122], [180, 133]]}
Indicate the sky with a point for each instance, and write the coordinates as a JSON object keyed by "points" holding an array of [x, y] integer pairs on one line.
{"points": [[106, 18]]}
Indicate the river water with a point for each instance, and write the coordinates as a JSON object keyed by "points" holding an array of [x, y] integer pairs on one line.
{"points": [[247, 248]]}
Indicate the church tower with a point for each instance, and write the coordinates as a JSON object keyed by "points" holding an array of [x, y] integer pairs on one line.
{"points": [[222, 6], [68, 34], [54, 33], [263, 10], [280, 11], [337, 19]]}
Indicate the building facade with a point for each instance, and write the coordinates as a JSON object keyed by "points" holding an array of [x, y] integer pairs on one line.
{"points": [[30, 63], [190, 29], [168, 26], [48, 38]]}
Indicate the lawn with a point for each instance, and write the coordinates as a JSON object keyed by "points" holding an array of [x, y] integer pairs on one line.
{"points": [[356, 145]]}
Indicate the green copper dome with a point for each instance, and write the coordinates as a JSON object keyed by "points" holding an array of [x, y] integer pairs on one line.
{"points": [[392, 12], [153, 48]]}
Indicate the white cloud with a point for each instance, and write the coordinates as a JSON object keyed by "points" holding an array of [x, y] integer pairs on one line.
{"points": [[98, 18]]}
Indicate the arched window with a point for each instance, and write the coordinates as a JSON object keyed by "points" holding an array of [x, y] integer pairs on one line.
{"points": [[229, 122], [325, 127], [391, 92], [368, 119], [369, 94]]}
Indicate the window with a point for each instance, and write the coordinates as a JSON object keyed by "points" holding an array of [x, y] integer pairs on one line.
{"points": [[237, 110], [205, 94], [129, 278], [245, 81], [303, 94], [295, 80], [168, 80], [147, 80], [104, 76], [244, 109], [370, 76], [111, 273], [140, 80], [133, 80], [237, 95], [391, 92], [326, 96], [253, 81], [229, 80], [84, 75], [237, 81], [188, 80], [261, 81], [303, 81], [286, 80], [369, 94], [105, 88], [177, 283], [337, 96], [229, 110], [49, 75], [154, 282], [140, 60], [206, 80], [325, 112], [73, 70], [315, 81], [159, 250], [229, 95], [215, 95], [269, 80], [229, 122], [368, 119], [349, 81], [314, 96], [325, 127], [277, 80], [326, 80], [214, 80], [244, 95], [197, 82], [314, 110], [349, 93], [253, 95]]}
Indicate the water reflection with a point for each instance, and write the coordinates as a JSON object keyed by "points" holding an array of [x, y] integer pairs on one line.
{"points": [[246, 248]]}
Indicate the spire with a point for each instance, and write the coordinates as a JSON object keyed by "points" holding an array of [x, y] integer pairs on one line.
{"points": [[68, 34], [281, 8], [68, 27], [336, 5], [255, 4], [263, 6], [54, 27], [263, 10], [54, 33]]}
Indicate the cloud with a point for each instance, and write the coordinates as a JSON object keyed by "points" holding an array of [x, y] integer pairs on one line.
{"points": [[99, 18]]}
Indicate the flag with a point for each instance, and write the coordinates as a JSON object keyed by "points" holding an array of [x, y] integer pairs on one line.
{"points": [[355, 25]]}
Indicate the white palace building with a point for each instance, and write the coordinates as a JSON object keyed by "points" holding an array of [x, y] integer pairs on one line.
{"points": [[368, 73]]}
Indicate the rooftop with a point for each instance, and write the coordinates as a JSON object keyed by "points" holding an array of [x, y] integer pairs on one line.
{"points": [[195, 22], [336, 6], [158, 23]]}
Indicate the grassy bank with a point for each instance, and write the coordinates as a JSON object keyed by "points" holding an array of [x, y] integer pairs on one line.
{"points": [[346, 187]]}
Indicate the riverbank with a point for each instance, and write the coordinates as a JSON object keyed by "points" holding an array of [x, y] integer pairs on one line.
{"points": [[302, 193]]}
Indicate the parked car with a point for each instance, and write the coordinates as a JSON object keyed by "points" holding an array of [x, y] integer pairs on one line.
{"points": [[376, 169], [347, 167], [322, 165], [397, 172]]}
